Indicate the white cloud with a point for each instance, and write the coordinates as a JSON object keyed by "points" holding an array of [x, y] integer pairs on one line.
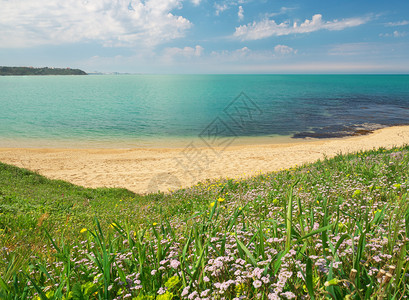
{"points": [[227, 4], [395, 34], [196, 2], [283, 10], [112, 23], [401, 23], [284, 50], [220, 8], [267, 28], [229, 56], [245, 55], [398, 34], [240, 13], [186, 52]]}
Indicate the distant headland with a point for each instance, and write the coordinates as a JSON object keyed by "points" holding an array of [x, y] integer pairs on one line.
{"points": [[24, 71]]}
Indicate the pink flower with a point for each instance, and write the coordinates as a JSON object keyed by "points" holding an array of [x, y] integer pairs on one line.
{"points": [[174, 263], [257, 284]]}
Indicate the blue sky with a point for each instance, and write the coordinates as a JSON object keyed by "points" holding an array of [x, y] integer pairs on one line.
{"points": [[204, 36]]}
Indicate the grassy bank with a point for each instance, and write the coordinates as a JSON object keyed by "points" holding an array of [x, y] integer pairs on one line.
{"points": [[333, 229]]}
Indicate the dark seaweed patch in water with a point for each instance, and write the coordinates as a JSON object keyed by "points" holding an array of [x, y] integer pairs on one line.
{"points": [[350, 116], [338, 131]]}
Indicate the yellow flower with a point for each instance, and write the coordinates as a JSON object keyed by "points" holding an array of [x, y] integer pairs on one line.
{"points": [[83, 230], [356, 193], [240, 208], [154, 224], [212, 204], [220, 199], [112, 225]]}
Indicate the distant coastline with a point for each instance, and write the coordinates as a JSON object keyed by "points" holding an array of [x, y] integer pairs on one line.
{"points": [[30, 71]]}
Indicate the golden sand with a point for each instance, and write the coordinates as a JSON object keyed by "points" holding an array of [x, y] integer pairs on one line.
{"points": [[142, 170]]}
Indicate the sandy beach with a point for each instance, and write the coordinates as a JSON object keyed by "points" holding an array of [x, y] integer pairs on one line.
{"points": [[145, 170]]}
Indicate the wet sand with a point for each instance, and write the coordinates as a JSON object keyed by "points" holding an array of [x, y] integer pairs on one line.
{"points": [[150, 169]]}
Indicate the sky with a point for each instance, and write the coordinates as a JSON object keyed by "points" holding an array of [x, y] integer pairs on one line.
{"points": [[207, 36]]}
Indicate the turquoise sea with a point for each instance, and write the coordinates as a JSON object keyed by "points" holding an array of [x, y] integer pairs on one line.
{"points": [[154, 110]]}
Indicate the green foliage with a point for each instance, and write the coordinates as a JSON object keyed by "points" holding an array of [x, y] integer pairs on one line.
{"points": [[18, 71], [337, 228]]}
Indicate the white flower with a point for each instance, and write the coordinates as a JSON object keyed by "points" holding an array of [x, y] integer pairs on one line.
{"points": [[265, 279], [193, 295], [185, 291], [257, 284], [174, 263], [273, 296]]}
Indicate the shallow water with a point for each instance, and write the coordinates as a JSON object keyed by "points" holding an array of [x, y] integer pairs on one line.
{"points": [[123, 111]]}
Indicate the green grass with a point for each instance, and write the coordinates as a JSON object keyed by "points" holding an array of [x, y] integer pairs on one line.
{"points": [[336, 229]]}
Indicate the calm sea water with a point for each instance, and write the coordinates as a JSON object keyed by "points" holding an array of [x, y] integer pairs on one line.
{"points": [[142, 110]]}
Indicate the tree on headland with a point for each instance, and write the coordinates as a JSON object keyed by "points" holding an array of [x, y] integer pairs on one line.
{"points": [[15, 71]]}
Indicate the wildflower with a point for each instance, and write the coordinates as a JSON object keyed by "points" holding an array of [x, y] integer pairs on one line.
{"points": [[220, 199], [153, 272], [273, 296], [333, 281], [212, 204], [174, 263], [258, 272], [154, 224], [257, 284], [165, 296], [185, 291], [83, 230], [113, 225], [356, 193], [239, 288], [265, 279], [172, 281], [193, 295]]}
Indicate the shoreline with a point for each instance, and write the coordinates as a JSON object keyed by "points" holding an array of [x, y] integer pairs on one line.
{"points": [[143, 170], [327, 133], [145, 143]]}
